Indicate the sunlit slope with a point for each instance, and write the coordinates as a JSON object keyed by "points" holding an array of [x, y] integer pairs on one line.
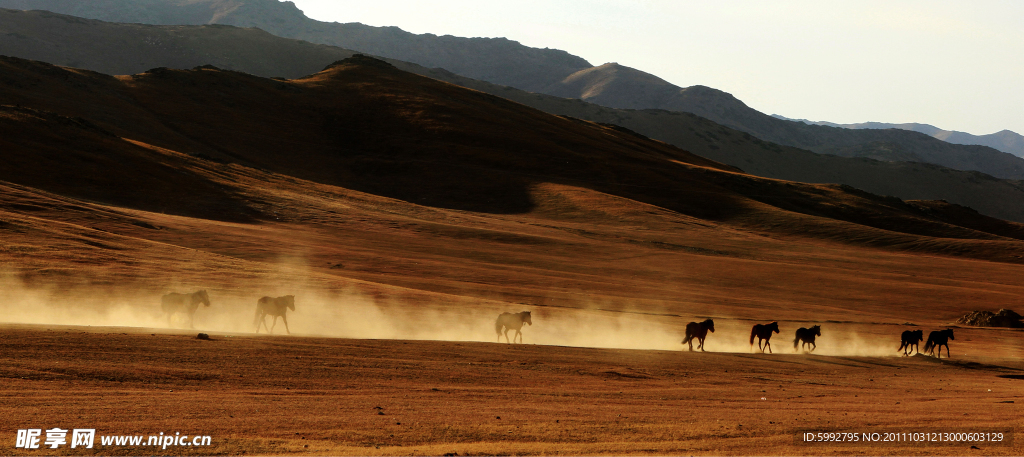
{"points": [[363, 125], [416, 192], [133, 48]]}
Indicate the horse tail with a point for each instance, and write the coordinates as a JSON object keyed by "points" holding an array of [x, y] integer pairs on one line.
{"points": [[753, 332], [497, 326], [796, 341]]}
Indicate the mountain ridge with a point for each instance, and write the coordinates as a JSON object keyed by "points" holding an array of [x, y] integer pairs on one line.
{"points": [[506, 62], [498, 60], [1004, 140], [257, 52]]}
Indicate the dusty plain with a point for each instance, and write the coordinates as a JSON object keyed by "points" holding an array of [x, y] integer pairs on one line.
{"points": [[402, 249]]}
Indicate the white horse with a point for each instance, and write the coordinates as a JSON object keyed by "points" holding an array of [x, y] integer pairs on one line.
{"points": [[275, 307], [174, 303], [510, 321]]}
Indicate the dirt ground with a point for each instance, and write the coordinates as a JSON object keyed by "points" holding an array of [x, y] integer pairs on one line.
{"points": [[323, 396]]}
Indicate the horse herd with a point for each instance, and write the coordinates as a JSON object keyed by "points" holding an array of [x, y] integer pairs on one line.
{"points": [[805, 337], [175, 303], [763, 332]]}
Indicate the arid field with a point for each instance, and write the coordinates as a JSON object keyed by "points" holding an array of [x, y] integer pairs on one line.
{"points": [[404, 215]]}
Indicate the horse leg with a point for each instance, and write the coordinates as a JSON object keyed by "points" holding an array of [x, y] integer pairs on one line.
{"points": [[274, 324], [768, 344], [264, 320], [519, 334], [701, 345], [506, 336], [947, 351], [285, 319]]}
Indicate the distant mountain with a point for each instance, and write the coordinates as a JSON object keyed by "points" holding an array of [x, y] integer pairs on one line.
{"points": [[1005, 140], [618, 86], [134, 48], [549, 71], [496, 60], [126, 49]]}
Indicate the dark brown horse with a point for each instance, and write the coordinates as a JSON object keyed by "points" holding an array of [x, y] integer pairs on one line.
{"points": [[174, 303], [911, 338], [807, 336], [763, 332], [699, 331], [509, 321], [937, 339]]}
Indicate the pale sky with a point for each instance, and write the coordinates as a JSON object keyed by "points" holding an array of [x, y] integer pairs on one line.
{"points": [[958, 65]]}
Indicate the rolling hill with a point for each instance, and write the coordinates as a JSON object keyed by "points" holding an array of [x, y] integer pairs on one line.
{"points": [[544, 71], [400, 195], [458, 148], [132, 48]]}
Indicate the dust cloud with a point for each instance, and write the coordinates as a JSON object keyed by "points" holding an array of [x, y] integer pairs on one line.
{"points": [[352, 313]]}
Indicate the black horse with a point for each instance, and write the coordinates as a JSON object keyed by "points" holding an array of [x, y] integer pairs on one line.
{"points": [[937, 339], [763, 332], [699, 331], [909, 341], [807, 336]]}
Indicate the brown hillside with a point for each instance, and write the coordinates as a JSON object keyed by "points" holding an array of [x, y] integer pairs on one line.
{"points": [[397, 209], [364, 125], [403, 186]]}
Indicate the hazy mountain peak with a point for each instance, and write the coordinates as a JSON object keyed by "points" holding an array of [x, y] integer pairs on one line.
{"points": [[497, 60], [1004, 140], [614, 85]]}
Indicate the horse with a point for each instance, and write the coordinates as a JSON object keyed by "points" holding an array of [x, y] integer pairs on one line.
{"points": [[510, 321], [937, 339], [763, 332], [807, 336], [276, 307], [699, 331], [174, 303], [911, 338]]}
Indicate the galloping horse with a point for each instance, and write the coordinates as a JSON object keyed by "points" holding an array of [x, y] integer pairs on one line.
{"points": [[510, 321], [912, 338], [699, 331], [763, 332], [807, 336], [937, 339], [275, 307], [174, 303]]}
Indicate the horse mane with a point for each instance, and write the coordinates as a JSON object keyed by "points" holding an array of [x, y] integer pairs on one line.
{"points": [[203, 296]]}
